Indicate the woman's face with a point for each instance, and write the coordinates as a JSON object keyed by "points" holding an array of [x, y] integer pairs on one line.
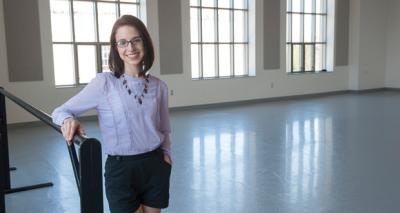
{"points": [[130, 46]]}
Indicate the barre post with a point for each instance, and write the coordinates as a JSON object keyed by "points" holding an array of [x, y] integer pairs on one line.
{"points": [[3, 137], [2, 177], [4, 164], [6, 183], [2, 201], [87, 171], [2, 198], [91, 176], [4, 158]]}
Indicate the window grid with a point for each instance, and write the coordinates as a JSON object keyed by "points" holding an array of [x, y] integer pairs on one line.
{"points": [[99, 45], [302, 44], [217, 43]]}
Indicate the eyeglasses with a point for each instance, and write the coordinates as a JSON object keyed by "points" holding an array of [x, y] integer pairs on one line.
{"points": [[123, 43]]}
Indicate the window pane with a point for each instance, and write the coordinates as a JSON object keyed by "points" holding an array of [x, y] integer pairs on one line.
{"points": [[87, 63], [61, 26], [239, 26], [309, 58], [194, 25], [224, 60], [107, 14], [289, 28], [208, 3], [64, 71], [308, 28], [129, 9], [320, 6], [208, 25], [194, 2], [105, 52], [288, 58], [195, 61], [308, 6], [240, 4], [208, 60], [224, 26], [296, 5], [84, 21], [289, 5], [296, 25], [319, 57], [240, 60], [320, 28], [224, 3], [297, 56]]}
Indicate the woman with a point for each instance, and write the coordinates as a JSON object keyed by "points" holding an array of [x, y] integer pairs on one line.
{"points": [[132, 107]]}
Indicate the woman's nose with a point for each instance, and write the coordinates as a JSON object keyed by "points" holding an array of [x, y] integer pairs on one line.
{"points": [[130, 46]]}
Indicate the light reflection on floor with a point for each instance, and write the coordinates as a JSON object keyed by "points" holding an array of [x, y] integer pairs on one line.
{"points": [[323, 154]]}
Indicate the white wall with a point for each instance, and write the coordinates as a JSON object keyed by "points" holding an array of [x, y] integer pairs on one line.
{"points": [[187, 92], [372, 44], [367, 44], [354, 44], [392, 79]]}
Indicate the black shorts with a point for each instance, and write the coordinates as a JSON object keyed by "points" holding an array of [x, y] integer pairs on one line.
{"points": [[137, 179]]}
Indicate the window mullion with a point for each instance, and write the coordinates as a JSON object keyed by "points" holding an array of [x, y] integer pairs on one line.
{"points": [[200, 16], [290, 37], [76, 64], [75, 48], [232, 16], [313, 34], [291, 61], [302, 65], [216, 37], [98, 47], [325, 33], [138, 9], [119, 8], [246, 37]]}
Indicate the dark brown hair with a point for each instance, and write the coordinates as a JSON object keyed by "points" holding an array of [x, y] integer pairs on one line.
{"points": [[115, 63]]}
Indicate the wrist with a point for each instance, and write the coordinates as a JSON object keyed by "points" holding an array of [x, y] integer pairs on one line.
{"points": [[67, 119]]}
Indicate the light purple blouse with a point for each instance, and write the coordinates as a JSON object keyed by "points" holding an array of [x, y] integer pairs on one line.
{"points": [[127, 127]]}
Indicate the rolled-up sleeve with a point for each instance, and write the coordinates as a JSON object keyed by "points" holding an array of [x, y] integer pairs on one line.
{"points": [[87, 99], [165, 126]]}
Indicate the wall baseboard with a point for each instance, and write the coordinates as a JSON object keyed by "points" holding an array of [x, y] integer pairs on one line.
{"points": [[256, 101], [368, 90]]}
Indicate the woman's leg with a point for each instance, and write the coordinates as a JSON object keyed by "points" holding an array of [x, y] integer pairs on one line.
{"points": [[147, 209], [140, 209]]}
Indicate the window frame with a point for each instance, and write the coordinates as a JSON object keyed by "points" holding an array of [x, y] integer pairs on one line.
{"points": [[216, 43], [302, 43], [97, 43]]}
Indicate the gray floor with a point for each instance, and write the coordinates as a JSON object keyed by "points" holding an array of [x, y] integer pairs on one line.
{"points": [[337, 153]]}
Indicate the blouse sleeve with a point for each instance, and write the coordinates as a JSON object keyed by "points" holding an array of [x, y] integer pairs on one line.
{"points": [[86, 99], [165, 126]]}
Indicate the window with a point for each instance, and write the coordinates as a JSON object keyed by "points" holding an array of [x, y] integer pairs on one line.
{"points": [[308, 44], [219, 38], [80, 31]]}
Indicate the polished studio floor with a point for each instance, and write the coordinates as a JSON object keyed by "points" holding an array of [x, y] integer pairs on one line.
{"points": [[337, 153]]}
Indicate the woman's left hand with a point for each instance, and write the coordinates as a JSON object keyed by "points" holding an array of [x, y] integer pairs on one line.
{"points": [[167, 159]]}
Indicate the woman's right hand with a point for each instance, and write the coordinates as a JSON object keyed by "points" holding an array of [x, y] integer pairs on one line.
{"points": [[69, 128]]}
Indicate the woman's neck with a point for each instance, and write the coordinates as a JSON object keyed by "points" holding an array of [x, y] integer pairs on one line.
{"points": [[132, 70]]}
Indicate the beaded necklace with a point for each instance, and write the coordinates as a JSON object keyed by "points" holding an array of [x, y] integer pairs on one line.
{"points": [[138, 97]]}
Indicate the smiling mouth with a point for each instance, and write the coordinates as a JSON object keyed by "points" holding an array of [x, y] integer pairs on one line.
{"points": [[133, 54]]}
